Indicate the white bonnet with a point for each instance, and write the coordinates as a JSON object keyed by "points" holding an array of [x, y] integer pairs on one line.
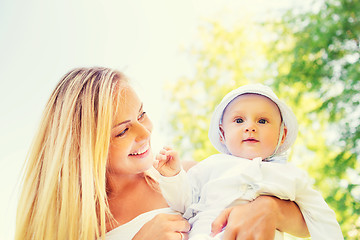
{"points": [[287, 115]]}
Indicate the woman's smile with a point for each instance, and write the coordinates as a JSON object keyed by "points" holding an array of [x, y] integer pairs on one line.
{"points": [[142, 152]]}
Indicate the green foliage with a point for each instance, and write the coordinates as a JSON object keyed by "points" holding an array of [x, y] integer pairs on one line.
{"points": [[312, 63], [324, 60]]}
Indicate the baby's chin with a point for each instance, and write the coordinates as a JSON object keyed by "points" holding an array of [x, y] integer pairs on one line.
{"points": [[250, 156]]}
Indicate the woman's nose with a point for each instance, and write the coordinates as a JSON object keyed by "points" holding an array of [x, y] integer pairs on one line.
{"points": [[143, 133]]}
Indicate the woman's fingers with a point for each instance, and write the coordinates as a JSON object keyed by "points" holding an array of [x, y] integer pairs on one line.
{"points": [[220, 222], [253, 220], [164, 227], [179, 224], [174, 222], [182, 236]]}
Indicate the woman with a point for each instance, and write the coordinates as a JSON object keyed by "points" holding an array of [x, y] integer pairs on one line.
{"points": [[87, 172]]}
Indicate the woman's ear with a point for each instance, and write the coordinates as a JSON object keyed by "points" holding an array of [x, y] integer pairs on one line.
{"points": [[222, 134], [284, 135]]}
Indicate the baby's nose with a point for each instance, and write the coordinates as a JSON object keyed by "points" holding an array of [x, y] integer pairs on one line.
{"points": [[250, 129]]}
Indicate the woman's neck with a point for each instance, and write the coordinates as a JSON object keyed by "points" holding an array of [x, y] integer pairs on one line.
{"points": [[121, 184], [128, 197]]}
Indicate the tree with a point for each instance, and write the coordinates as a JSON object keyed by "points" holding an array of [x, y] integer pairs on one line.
{"points": [[323, 59]]}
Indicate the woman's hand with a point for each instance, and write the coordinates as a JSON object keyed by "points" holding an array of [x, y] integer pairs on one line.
{"points": [[164, 227], [259, 219]]}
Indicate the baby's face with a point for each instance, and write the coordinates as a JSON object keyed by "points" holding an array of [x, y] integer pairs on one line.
{"points": [[251, 126]]}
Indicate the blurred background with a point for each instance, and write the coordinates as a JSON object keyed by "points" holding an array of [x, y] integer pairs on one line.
{"points": [[183, 57]]}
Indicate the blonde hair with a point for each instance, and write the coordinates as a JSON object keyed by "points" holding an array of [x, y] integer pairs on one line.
{"points": [[64, 186]]}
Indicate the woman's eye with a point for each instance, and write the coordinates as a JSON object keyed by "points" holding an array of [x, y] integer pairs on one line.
{"points": [[239, 120], [122, 133], [142, 116], [263, 121]]}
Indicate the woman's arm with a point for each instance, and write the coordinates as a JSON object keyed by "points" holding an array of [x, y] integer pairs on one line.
{"points": [[290, 218], [260, 218]]}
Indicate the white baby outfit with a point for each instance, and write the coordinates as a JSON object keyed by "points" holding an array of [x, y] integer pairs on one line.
{"points": [[223, 180]]}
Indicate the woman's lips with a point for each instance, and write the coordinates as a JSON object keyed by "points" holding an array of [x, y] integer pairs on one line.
{"points": [[141, 152], [141, 155]]}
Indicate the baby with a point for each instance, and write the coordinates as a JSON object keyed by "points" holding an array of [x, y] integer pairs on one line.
{"points": [[252, 129]]}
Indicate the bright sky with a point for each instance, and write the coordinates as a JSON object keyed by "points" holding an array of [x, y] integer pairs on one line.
{"points": [[41, 40]]}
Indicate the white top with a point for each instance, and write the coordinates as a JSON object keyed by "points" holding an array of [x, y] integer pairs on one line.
{"points": [[128, 230], [221, 179]]}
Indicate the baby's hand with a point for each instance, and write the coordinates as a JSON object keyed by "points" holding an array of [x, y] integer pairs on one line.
{"points": [[167, 162]]}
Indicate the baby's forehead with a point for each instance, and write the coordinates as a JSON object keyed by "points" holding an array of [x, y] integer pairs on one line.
{"points": [[259, 100], [255, 95]]}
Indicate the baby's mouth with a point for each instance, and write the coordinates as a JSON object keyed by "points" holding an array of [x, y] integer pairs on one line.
{"points": [[251, 140]]}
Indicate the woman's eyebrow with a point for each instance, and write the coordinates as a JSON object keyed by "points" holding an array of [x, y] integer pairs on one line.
{"points": [[126, 121]]}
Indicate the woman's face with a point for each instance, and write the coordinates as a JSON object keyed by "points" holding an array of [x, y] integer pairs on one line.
{"points": [[130, 149]]}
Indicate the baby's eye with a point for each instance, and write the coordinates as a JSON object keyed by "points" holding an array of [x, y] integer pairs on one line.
{"points": [[141, 116], [263, 121], [239, 120]]}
